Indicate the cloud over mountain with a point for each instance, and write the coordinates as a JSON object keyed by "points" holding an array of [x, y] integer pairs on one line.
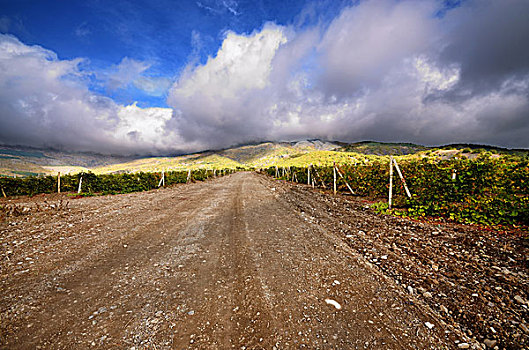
{"points": [[384, 70]]}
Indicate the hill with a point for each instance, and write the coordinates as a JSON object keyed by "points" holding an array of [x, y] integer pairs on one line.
{"points": [[28, 161], [24, 161]]}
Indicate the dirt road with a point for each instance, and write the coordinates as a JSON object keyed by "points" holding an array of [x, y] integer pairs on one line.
{"points": [[216, 265]]}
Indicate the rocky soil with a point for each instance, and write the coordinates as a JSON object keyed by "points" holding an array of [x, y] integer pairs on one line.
{"points": [[477, 279], [247, 262]]}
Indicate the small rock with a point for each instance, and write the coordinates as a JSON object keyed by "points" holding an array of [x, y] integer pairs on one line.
{"points": [[191, 313], [427, 295], [519, 299], [443, 309], [524, 328], [463, 345], [410, 289], [333, 303], [429, 325], [490, 343], [384, 257]]}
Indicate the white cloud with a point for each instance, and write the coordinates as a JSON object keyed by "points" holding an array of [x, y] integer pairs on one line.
{"points": [[153, 86], [219, 7], [130, 72], [83, 31], [125, 73], [143, 125], [242, 64], [433, 77], [211, 98], [60, 111]]}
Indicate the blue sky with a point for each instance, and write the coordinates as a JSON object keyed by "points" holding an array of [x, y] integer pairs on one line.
{"points": [[157, 77]]}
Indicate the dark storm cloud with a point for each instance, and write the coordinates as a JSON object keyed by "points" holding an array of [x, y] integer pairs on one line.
{"points": [[488, 39]]}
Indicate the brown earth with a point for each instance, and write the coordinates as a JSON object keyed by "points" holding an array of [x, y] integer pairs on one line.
{"points": [[241, 262]]}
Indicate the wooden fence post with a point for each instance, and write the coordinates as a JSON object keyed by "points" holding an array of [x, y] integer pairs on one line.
{"points": [[344, 180], [390, 181], [321, 179], [308, 175], [59, 182], [80, 184], [188, 175], [3, 192], [334, 176], [162, 180], [401, 178]]}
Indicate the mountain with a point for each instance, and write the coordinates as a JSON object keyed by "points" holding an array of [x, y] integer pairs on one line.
{"points": [[383, 149], [25, 161]]}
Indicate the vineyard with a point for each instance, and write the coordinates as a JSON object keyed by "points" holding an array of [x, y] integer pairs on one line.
{"points": [[103, 184], [482, 191]]}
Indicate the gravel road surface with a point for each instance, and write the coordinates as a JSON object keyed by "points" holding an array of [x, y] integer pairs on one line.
{"points": [[222, 264]]}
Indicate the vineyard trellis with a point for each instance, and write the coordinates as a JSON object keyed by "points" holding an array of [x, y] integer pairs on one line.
{"points": [[485, 191], [88, 182]]}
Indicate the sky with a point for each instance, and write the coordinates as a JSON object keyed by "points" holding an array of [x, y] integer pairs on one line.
{"points": [[167, 77]]}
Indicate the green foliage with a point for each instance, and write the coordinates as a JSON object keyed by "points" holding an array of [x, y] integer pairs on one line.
{"points": [[485, 191], [380, 207], [104, 184]]}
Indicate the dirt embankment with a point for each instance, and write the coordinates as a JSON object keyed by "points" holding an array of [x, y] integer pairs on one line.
{"points": [[244, 262]]}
